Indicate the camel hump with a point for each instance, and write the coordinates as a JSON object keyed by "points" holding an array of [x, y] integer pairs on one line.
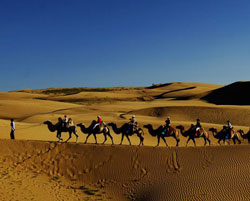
{"points": [[203, 130], [140, 131]]}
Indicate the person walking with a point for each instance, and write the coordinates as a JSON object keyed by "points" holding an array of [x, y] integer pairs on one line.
{"points": [[12, 132]]}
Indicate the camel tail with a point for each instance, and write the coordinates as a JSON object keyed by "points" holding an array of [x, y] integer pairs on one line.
{"points": [[177, 134], [142, 132]]}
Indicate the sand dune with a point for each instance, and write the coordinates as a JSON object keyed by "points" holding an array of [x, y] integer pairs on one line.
{"points": [[216, 115], [233, 94], [122, 172], [88, 172]]}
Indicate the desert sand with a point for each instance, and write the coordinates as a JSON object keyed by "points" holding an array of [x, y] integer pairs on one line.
{"points": [[36, 167]]}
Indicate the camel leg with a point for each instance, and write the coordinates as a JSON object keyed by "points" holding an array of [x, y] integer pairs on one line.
{"points": [[209, 141], [141, 140], [188, 141], [95, 138], [75, 133], [194, 142], [70, 135], [163, 138], [122, 139], [158, 139], [105, 138], [110, 137], [205, 139], [177, 141], [128, 139], [87, 138], [234, 140], [58, 135]]}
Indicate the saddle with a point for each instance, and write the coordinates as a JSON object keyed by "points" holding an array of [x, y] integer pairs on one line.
{"points": [[103, 128], [197, 134], [131, 130]]}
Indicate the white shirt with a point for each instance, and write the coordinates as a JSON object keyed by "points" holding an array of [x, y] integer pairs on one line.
{"points": [[12, 126]]}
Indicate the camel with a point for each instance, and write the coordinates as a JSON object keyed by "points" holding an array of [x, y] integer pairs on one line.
{"points": [[225, 135], [244, 135], [59, 128], [89, 130], [191, 134], [126, 130], [161, 133]]}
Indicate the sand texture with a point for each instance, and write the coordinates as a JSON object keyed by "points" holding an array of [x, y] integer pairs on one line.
{"points": [[90, 172]]}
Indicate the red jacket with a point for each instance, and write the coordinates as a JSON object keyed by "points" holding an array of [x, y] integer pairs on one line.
{"points": [[99, 120]]}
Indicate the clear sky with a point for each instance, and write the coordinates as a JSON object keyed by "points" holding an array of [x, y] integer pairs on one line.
{"points": [[101, 43]]}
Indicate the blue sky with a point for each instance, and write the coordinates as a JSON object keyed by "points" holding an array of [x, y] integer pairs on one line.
{"points": [[99, 43]]}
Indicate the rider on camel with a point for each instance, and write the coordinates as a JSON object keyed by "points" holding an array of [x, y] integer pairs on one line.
{"points": [[167, 125], [168, 122], [133, 124], [229, 125], [65, 121], [197, 128], [99, 122], [229, 128]]}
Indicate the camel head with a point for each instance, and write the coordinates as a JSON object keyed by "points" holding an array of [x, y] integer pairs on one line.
{"points": [[213, 129], [147, 126], [111, 124], [180, 127], [80, 124], [47, 122]]}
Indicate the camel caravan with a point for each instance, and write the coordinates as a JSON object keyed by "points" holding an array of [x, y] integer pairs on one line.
{"points": [[99, 127]]}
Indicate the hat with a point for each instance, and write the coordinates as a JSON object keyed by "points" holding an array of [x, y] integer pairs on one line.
{"points": [[133, 116]]}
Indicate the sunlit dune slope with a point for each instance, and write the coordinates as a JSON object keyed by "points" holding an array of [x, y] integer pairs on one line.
{"points": [[123, 173], [178, 90], [182, 90]]}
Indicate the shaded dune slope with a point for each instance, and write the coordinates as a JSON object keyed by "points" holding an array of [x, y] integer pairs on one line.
{"points": [[132, 173], [233, 94]]}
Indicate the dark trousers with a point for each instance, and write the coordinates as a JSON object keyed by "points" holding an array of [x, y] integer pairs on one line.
{"points": [[12, 135]]}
